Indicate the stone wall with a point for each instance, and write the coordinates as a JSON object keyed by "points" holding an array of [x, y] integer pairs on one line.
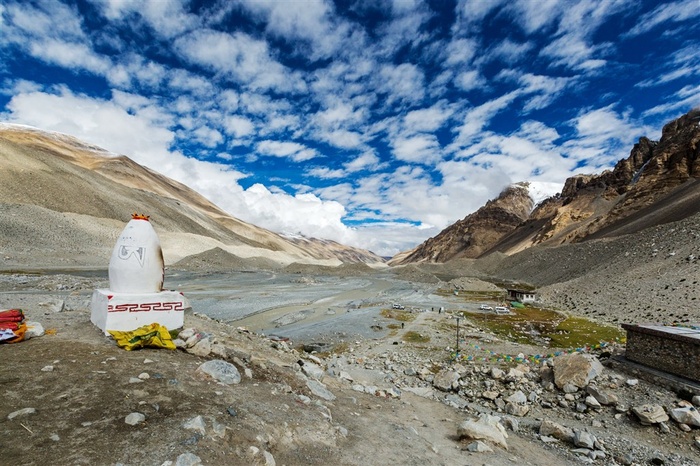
{"points": [[665, 348]]}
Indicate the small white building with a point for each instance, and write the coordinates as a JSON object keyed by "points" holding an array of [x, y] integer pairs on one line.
{"points": [[522, 296]]}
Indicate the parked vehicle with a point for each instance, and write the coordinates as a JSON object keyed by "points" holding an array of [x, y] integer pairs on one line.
{"points": [[397, 306], [502, 310], [485, 307]]}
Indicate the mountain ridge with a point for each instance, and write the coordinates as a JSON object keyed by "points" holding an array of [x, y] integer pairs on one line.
{"points": [[80, 188], [659, 182]]}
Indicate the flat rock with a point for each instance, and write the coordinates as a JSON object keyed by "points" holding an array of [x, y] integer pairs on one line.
{"points": [[21, 412], [134, 419], [221, 371], [320, 390], [650, 414], [552, 429]]}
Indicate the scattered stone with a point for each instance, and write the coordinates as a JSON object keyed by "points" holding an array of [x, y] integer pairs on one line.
{"points": [[21, 413], [134, 419], [188, 459], [269, 459], [515, 409], [196, 424], [584, 439], [221, 371], [632, 382], [696, 400], [148, 361], [558, 431], [592, 403], [686, 415], [54, 437], [144, 376], [479, 447], [135, 380], [199, 345], [446, 380], [603, 397], [485, 427], [311, 369], [650, 414], [47, 369], [517, 398], [320, 390]]}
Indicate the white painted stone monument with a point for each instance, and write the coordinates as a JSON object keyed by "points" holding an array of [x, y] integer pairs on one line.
{"points": [[135, 296]]}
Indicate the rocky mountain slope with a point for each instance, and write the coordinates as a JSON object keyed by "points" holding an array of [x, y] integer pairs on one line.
{"points": [[658, 183], [61, 198], [477, 232]]}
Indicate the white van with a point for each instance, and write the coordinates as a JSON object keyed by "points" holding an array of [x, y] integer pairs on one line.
{"points": [[501, 310]]}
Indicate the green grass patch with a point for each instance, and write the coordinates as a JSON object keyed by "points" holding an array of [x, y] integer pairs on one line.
{"points": [[415, 337], [578, 332], [401, 316], [533, 325]]}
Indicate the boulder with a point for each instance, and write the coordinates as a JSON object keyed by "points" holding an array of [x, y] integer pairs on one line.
{"points": [[603, 397], [575, 369], [446, 380], [485, 427], [221, 371], [687, 415], [558, 431]]}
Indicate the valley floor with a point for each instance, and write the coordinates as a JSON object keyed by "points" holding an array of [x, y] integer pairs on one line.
{"points": [[381, 367]]}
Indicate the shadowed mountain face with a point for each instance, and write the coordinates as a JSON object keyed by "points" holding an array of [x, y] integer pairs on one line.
{"points": [[658, 183], [61, 198]]}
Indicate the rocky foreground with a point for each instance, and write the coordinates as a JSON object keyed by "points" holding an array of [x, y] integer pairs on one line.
{"points": [[229, 396]]}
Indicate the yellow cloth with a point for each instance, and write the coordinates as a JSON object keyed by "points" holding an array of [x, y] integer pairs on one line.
{"points": [[154, 335]]}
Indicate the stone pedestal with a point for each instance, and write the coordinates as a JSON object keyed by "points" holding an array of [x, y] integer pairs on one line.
{"points": [[129, 311], [135, 296]]}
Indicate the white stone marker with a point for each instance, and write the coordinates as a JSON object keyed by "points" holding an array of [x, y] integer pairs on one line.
{"points": [[135, 296]]}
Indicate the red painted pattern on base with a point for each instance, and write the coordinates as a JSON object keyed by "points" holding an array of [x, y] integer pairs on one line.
{"points": [[145, 307]]}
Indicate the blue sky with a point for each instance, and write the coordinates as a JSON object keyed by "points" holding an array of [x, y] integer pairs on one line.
{"points": [[373, 123]]}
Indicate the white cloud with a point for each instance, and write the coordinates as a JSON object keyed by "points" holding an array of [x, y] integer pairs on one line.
{"points": [[533, 17], [52, 32], [239, 57], [167, 17], [469, 80], [365, 161], [427, 119], [314, 29], [402, 83], [326, 173], [684, 99], [423, 149], [292, 150], [460, 52], [478, 117], [668, 12], [510, 51], [238, 126]]}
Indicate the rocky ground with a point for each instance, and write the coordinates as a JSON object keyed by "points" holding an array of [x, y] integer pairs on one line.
{"points": [[73, 397]]}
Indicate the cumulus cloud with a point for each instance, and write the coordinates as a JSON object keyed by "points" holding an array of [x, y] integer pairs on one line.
{"points": [[239, 57], [383, 117], [292, 150]]}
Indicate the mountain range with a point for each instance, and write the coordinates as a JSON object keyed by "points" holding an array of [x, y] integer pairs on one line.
{"points": [[63, 202], [658, 183]]}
